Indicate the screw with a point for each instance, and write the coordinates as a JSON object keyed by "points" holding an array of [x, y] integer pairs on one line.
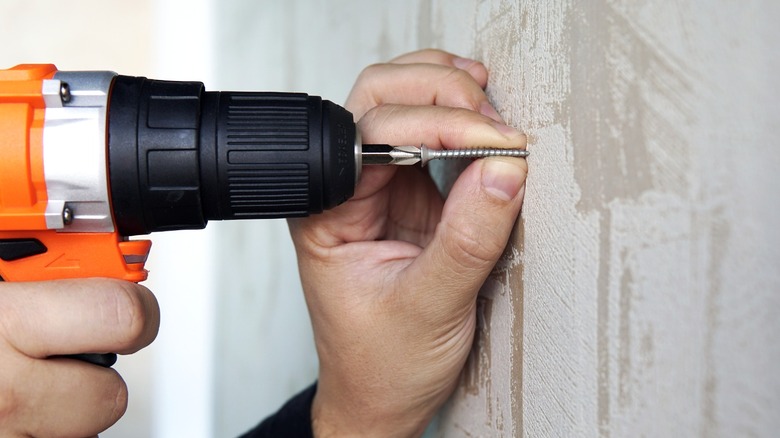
{"points": [[427, 154], [67, 215], [65, 94]]}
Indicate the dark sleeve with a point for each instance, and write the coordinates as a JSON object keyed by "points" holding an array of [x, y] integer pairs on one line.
{"points": [[293, 420]]}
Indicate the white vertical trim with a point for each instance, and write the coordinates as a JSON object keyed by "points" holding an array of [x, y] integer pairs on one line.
{"points": [[183, 279], [184, 36], [181, 264]]}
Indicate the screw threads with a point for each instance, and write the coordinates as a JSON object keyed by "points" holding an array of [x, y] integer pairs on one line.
{"points": [[427, 154], [476, 153]]}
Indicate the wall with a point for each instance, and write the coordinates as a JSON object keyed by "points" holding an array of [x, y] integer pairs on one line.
{"points": [[640, 293]]}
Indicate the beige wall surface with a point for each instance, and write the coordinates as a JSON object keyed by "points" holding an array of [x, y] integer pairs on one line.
{"points": [[640, 293]]}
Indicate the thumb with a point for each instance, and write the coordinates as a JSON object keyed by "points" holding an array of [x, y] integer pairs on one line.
{"points": [[476, 222]]}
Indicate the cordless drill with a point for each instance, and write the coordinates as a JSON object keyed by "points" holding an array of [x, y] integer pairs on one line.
{"points": [[89, 158]]}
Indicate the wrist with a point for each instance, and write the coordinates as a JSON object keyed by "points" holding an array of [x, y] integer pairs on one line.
{"points": [[352, 417]]}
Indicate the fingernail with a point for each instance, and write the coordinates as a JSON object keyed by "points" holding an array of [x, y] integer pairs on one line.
{"points": [[462, 63], [502, 177], [487, 109]]}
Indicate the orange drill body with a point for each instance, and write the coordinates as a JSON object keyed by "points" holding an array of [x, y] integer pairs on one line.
{"points": [[35, 244]]}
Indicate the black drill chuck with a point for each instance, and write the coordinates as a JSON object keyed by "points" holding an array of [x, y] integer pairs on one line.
{"points": [[180, 156]]}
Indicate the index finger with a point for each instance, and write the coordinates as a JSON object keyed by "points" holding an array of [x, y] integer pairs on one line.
{"points": [[78, 316]]}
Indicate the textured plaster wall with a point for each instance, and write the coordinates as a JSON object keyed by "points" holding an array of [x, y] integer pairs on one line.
{"points": [[640, 295], [641, 290]]}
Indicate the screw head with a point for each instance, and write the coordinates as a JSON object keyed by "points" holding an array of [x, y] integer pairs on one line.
{"points": [[67, 215], [65, 94]]}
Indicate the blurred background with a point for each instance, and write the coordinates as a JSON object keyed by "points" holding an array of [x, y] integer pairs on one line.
{"points": [[235, 340]]}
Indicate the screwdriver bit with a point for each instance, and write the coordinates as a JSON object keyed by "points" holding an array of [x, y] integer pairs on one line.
{"points": [[384, 154]]}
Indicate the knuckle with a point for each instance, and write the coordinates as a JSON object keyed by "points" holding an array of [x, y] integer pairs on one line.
{"points": [[427, 55], [432, 52], [376, 119], [368, 74], [112, 405], [455, 123], [456, 75], [125, 311], [472, 246], [370, 116], [460, 86], [120, 399]]}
